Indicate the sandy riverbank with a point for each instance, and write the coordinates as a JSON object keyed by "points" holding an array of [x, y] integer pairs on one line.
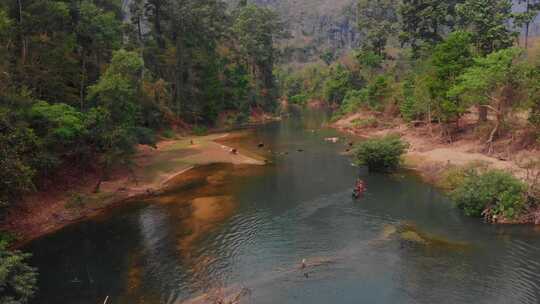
{"points": [[428, 150], [45, 212], [430, 156]]}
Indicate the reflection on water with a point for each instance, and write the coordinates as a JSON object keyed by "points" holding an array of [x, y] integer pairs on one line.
{"points": [[221, 230]]}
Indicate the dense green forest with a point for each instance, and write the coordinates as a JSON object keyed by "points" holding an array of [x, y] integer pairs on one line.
{"points": [[82, 83], [79, 85]]}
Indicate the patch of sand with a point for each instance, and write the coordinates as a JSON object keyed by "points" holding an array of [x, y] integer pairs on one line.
{"points": [[206, 214], [428, 151], [48, 211]]}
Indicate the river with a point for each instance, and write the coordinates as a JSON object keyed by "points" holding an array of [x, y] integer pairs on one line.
{"points": [[250, 227]]}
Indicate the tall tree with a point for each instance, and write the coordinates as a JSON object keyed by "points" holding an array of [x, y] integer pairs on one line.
{"points": [[449, 60], [257, 29], [489, 21], [426, 21], [525, 18], [17, 279], [492, 83], [98, 33], [377, 22]]}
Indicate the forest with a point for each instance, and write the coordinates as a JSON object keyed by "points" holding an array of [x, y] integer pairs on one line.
{"points": [[430, 61], [83, 83]]}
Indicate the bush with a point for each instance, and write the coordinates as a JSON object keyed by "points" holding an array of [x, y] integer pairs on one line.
{"points": [[200, 130], [490, 193], [17, 279], [299, 99], [453, 176], [353, 101], [168, 133], [381, 154]]}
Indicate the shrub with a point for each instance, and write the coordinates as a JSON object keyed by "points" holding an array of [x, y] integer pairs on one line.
{"points": [[494, 192], [299, 99], [353, 101], [200, 130], [168, 133], [453, 176], [381, 154], [17, 279]]}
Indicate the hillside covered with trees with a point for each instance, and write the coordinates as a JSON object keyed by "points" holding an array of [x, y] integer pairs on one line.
{"points": [[451, 69]]}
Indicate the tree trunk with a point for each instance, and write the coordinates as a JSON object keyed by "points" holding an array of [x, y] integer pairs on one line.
{"points": [[83, 79], [24, 46], [179, 85], [157, 26], [527, 25], [482, 114], [429, 118]]}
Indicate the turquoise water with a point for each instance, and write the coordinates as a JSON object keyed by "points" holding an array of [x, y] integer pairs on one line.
{"points": [[250, 227]]}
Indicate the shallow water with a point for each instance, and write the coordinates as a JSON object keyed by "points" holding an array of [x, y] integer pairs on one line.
{"points": [[243, 226]]}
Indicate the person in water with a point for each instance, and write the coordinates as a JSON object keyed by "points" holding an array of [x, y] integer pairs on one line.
{"points": [[359, 188]]}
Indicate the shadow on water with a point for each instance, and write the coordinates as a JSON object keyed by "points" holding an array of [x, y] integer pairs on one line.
{"points": [[221, 229]]}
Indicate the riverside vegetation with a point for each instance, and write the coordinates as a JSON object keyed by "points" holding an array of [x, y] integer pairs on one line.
{"points": [[452, 68]]}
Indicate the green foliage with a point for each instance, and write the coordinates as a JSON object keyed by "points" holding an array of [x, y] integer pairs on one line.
{"points": [[5, 23], [256, 29], [496, 191], [98, 28], [338, 84], [409, 106], [353, 101], [488, 21], [308, 81], [59, 124], [17, 279], [449, 60], [377, 92], [19, 147], [532, 85], [454, 176], [376, 22], [299, 99], [168, 133], [328, 57], [423, 21], [369, 59], [381, 154], [117, 89], [481, 81]]}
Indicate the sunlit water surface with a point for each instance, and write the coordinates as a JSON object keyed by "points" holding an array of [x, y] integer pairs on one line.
{"points": [[250, 227]]}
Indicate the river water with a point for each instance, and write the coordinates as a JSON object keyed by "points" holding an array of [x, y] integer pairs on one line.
{"points": [[248, 228]]}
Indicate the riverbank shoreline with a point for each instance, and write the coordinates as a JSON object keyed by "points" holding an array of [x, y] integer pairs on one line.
{"points": [[48, 211], [430, 157]]}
